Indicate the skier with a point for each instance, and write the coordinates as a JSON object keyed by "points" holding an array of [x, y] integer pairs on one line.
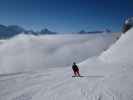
{"points": [[75, 69]]}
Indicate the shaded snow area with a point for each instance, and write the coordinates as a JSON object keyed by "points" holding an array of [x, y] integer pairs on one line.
{"points": [[107, 75]]}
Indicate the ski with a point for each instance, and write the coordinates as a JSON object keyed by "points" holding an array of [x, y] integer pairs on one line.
{"points": [[77, 76]]}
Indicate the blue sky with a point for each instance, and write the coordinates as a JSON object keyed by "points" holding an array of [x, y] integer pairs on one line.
{"points": [[66, 15]]}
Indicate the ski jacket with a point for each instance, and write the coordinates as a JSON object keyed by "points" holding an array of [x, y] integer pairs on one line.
{"points": [[75, 67]]}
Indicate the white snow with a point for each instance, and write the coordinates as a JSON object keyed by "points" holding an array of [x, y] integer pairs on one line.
{"points": [[107, 77], [129, 21], [121, 51]]}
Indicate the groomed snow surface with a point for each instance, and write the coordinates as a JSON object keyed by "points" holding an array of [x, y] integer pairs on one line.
{"points": [[106, 77]]}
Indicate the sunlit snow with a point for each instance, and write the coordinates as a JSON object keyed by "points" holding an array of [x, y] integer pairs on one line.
{"points": [[107, 73]]}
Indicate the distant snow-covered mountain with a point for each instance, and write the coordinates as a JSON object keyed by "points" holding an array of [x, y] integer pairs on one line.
{"points": [[94, 32], [12, 30], [9, 31], [128, 24], [46, 31]]}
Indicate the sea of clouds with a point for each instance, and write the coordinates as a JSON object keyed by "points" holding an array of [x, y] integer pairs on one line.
{"points": [[28, 52]]}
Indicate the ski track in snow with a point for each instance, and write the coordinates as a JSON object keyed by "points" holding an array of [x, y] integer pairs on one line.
{"points": [[50, 86]]}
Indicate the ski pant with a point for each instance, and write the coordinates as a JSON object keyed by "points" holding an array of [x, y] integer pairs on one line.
{"points": [[76, 73]]}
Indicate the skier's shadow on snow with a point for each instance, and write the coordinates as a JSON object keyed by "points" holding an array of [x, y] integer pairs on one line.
{"points": [[92, 76]]}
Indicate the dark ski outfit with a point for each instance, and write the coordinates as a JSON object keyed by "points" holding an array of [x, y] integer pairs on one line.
{"points": [[75, 69]]}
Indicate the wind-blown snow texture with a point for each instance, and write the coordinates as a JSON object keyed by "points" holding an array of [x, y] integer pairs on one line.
{"points": [[105, 78]]}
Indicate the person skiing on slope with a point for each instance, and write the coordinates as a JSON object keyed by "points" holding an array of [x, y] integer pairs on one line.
{"points": [[75, 69]]}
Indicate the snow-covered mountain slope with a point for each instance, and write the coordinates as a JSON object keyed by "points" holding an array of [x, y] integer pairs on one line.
{"points": [[103, 79], [28, 52], [121, 51], [100, 82], [49, 85], [119, 57], [57, 84]]}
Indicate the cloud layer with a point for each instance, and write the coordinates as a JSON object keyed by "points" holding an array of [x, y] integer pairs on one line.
{"points": [[28, 52]]}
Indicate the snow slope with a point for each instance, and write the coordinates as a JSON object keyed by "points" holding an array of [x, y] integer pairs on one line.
{"points": [[105, 78], [121, 51], [28, 52], [57, 84]]}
